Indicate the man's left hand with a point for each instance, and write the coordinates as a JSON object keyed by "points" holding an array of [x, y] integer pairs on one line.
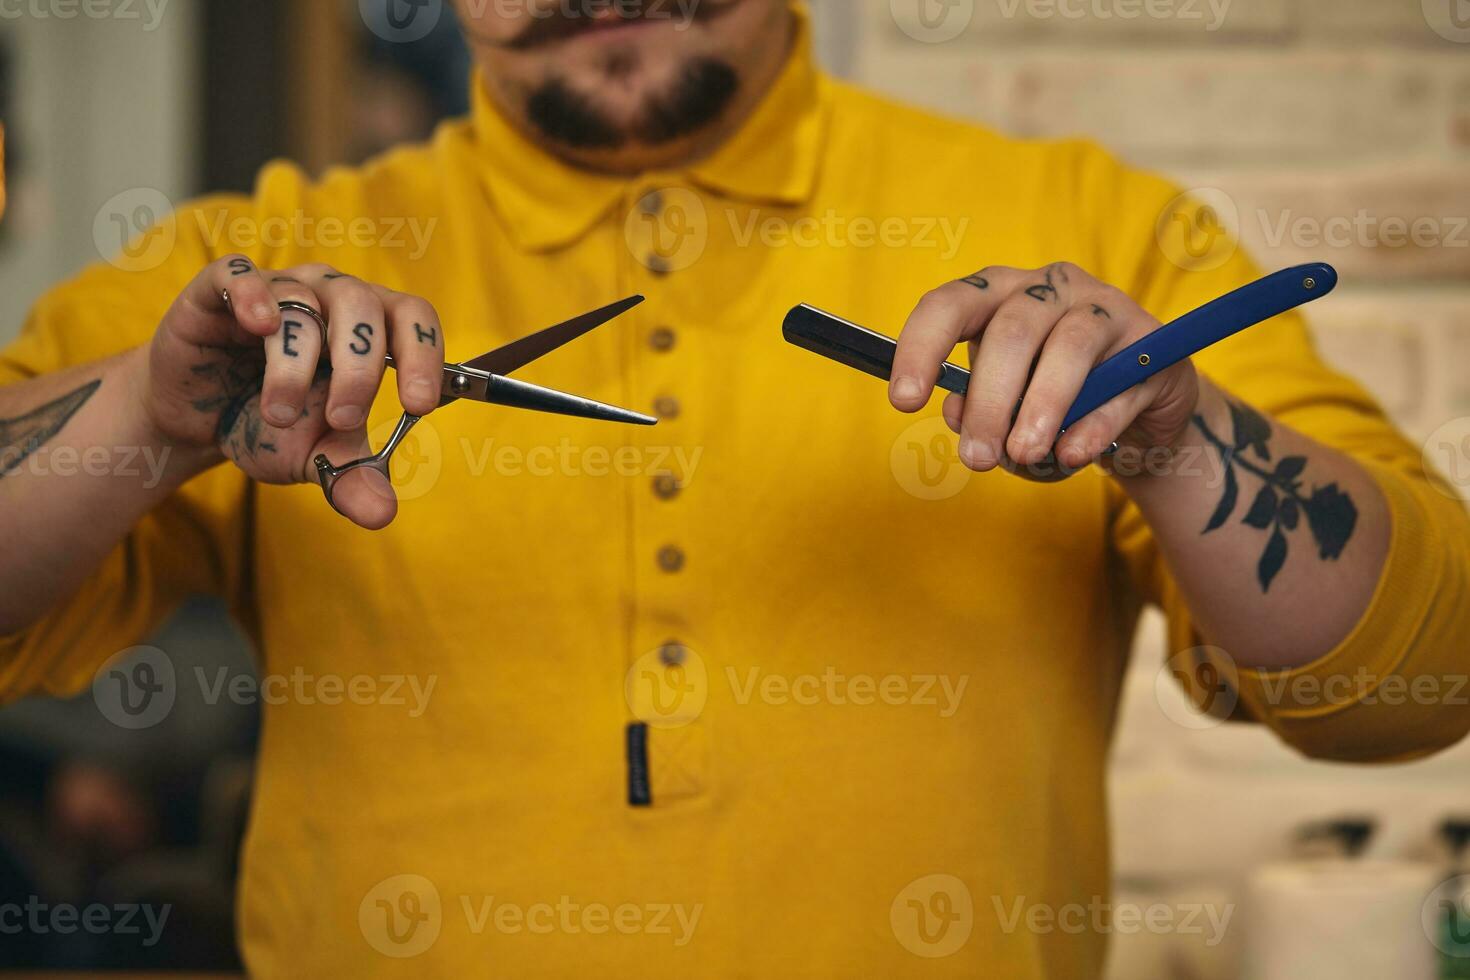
{"points": [[1034, 336]]}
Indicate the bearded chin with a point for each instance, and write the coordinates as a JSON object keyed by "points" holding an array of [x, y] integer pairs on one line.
{"points": [[706, 87]]}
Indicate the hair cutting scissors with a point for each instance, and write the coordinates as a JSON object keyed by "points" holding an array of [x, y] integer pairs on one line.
{"points": [[484, 379]]}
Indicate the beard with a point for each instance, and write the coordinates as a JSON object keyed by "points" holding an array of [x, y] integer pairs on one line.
{"points": [[705, 88]]}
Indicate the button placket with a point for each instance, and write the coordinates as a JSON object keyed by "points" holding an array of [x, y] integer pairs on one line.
{"points": [[665, 603]]}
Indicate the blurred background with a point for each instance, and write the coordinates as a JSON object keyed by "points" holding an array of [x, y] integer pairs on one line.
{"points": [[1316, 129]]}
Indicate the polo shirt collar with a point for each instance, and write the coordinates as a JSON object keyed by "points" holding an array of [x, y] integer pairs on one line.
{"points": [[774, 158]]}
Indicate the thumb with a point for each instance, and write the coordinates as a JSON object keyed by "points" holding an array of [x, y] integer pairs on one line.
{"points": [[364, 496]]}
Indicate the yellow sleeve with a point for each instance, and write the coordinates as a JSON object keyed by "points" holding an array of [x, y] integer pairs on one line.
{"points": [[196, 541], [1356, 702]]}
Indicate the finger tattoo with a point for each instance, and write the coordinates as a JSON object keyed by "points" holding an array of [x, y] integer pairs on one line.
{"points": [[363, 345]]}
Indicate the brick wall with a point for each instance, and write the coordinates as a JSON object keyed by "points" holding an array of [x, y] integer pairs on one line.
{"points": [[1336, 130]]}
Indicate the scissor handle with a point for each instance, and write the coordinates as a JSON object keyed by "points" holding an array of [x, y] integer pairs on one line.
{"points": [[329, 474]]}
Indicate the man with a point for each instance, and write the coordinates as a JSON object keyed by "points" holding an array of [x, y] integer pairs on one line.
{"points": [[757, 692]]}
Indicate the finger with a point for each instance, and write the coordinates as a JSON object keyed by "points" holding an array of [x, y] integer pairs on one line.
{"points": [[999, 372], [953, 410], [954, 312], [1092, 435], [362, 495], [1076, 345], [357, 342], [417, 342], [293, 355], [230, 291]]}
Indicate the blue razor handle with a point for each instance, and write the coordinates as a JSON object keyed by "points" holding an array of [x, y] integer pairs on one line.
{"points": [[1193, 332], [872, 353]]}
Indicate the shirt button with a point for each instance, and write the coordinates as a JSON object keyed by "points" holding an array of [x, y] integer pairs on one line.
{"points": [[673, 653], [651, 203], [662, 339], [666, 486], [666, 407], [658, 265], [671, 558]]}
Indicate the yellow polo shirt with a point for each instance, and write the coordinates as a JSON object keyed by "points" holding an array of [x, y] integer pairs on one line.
{"points": [[878, 690]]}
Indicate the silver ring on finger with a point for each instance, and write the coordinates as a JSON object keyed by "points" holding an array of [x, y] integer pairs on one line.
{"points": [[299, 307]]}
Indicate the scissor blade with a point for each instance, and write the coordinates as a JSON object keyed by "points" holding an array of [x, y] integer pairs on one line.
{"points": [[518, 354], [520, 394]]}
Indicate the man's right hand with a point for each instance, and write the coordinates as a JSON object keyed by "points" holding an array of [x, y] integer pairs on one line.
{"points": [[228, 369]]}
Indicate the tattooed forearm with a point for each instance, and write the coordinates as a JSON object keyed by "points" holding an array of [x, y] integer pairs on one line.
{"points": [[23, 435], [1280, 503]]}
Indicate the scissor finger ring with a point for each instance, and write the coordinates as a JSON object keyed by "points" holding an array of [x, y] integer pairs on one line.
{"points": [[379, 462]]}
